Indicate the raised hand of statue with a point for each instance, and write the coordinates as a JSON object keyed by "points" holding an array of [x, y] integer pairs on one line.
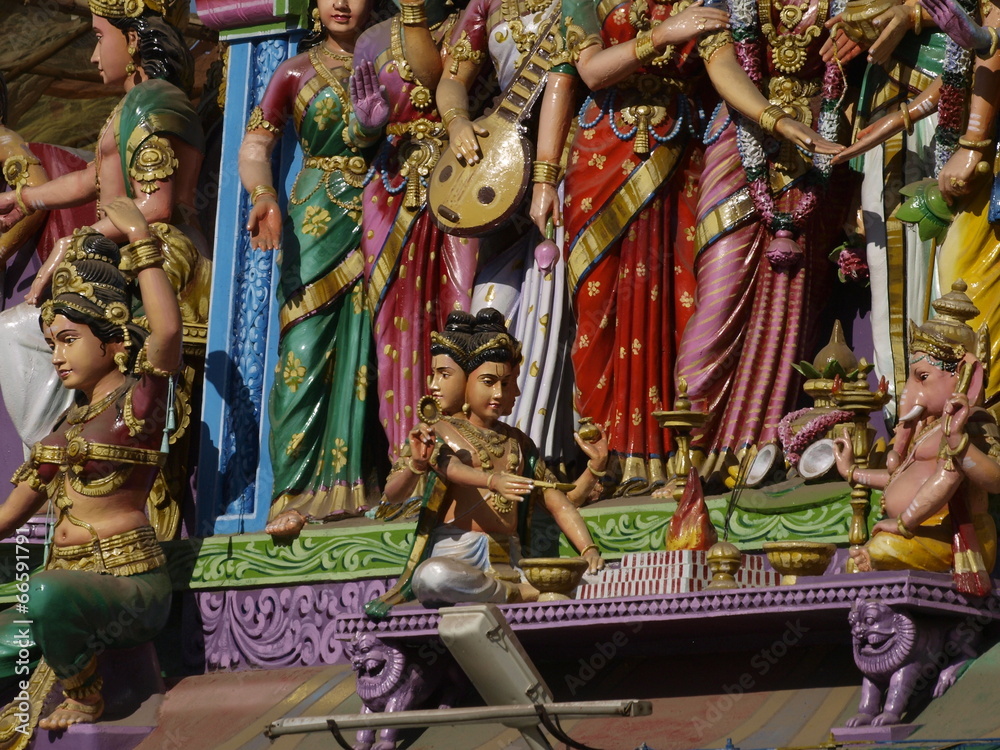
{"points": [[956, 418], [875, 134], [421, 440], [792, 130], [894, 23], [838, 44], [597, 451], [42, 280], [127, 218], [690, 23], [956, 23], [462, 135], [843, 449], [368, 98], [264, 224], [955, 179], [510, 486]]}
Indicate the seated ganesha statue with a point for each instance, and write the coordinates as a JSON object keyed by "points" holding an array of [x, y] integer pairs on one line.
{"points": [[945, 459]]}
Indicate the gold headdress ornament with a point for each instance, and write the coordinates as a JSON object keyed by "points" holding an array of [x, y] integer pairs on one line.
{"points": [[456, 352], [497, 341], [95, 299], [947, 337], [172, 10]]}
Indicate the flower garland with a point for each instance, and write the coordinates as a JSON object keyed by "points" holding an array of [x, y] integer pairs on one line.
{"points": [[956, 80], [750, 138], [794, 445]]}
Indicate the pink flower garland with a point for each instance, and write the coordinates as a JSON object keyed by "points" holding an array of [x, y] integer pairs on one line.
{"points": [[793, 445]]}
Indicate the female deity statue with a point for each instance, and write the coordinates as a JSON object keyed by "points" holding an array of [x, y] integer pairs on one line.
{"points": [[944, 460], [528, 288], [468, 542], [416, 275], [97, 468], [630, 191], [322, 441], [768, 209]]}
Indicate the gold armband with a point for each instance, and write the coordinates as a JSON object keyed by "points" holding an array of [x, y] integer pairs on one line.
{"points": [[645, 52], [770, 118], [904, 111], [452, 114], [901, 527], [994, 43], [257, 120], [146, 254], [412, 14], [975, 145], [25, 208], [709, 44], [545, 172], [260, 190], [154, 161]]}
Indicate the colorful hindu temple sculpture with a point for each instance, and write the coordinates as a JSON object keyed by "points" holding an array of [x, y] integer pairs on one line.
{"points": [[630, 193], [150, 150], [520, 39], [944, 460], [768, 211], [474, 513], [415, 273], [97, 468], [324, 441]]}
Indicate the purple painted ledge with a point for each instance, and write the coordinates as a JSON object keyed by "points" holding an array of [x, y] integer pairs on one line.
{"points": [[824, 599], [223, 15]]}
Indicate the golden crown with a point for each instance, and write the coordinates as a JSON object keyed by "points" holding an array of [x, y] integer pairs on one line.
{"points": [[947, 336], [129, 8]]}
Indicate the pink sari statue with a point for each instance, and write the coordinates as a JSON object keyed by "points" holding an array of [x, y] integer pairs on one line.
{"points": [[416, 274]]}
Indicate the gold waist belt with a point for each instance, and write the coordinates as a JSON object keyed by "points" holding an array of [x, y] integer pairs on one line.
{"points": [[347, 164], [78, 451], [126, 554], [422, 128]]}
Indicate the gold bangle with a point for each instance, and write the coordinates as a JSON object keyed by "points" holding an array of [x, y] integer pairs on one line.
{"points": [[994, 43], [770, 118], [595, 472], [904, 111], [917, 16], [412, 14], [146, 254], [850, 474], [453, 114], [545, 171], [645, 52], [901, 527], [975, 145], [260, 190], [590, 547], [25, 208], [411, 465]]}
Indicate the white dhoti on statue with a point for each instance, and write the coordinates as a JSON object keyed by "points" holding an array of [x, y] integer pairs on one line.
{"points": [[460, 569]]}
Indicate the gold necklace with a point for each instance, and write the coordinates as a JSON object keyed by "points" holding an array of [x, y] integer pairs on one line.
{"points": [[80, 414], [789, 48], [342, 56], [420, 95]]}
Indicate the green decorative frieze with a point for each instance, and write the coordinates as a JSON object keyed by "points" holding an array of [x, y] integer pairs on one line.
{"points": [[379, 550]]}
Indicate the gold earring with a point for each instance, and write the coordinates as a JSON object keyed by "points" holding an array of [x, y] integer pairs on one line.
{"points": [[317, 26], [130, 68], [121, 359], [466, 409]]}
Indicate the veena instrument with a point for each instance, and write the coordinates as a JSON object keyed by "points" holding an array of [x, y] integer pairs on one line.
{"points": [[469, 200]]}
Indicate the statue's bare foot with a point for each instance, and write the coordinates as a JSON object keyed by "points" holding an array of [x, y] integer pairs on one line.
{"points": [[862, 560], [665, 491], [72, 711], [286, 524]]}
